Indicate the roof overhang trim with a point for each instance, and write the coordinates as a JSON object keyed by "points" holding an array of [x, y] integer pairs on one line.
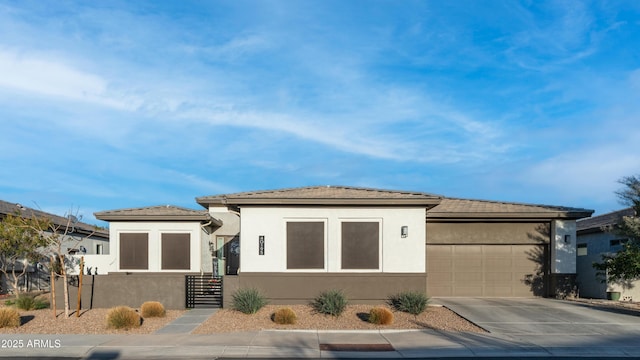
{"points": [[319, 201], [117, 217], [564, 215]]}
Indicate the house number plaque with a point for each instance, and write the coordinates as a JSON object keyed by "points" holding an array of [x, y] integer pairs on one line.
{"points": [[261, 245]]}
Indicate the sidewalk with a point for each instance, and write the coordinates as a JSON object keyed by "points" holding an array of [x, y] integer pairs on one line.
{"points": [[307, 344]]}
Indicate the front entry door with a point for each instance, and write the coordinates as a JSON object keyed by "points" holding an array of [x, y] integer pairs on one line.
{"points": [[232, 249]]}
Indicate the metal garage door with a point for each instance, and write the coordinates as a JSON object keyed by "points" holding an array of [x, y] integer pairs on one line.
{"points": [[486, 270]]}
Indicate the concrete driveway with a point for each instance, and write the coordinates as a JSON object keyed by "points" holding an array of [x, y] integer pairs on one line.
{"points": [[543, 317]]}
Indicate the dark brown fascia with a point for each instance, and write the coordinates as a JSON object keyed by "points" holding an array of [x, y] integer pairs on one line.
{"points": [[429, 203], [465, 216], [117, 217]]}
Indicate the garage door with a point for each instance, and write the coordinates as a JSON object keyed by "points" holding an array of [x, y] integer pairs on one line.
{"points": [[486, 270]]}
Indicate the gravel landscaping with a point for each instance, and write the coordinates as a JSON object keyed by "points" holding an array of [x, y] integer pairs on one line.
{"points": [[225, 320], [90, 322], [353, 318]]}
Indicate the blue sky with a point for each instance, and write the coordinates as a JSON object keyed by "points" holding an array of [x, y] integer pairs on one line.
{"points": [[109, 104]]}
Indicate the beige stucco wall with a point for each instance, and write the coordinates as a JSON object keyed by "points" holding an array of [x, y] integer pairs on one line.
{"points": [[487, 232]]}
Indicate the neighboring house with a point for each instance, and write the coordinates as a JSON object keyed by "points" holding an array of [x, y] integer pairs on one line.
{"points": [[371, 243], [594, 240], [82, 238]]}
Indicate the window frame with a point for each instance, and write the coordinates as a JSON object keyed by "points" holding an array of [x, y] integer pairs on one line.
{"points": [[324, 221], [377, 220], [581, 246], [148, 267], [620, 244], [162, 247]]}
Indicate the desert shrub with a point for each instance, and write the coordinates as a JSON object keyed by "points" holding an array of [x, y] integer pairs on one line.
{"points": [[25, 302], [31, 302], [248, 301], [9, 302], [9, 317], [152, 309], [412, 302], [41, 304], [330, 302], [123, 317], [380, 316], [285, 316]]}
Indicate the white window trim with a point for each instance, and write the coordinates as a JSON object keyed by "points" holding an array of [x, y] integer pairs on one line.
{"points": [[325, 245], [379, 220]]}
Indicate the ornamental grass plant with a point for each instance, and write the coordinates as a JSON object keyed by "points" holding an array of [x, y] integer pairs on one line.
{"points": [[9, 317], [123, 317], [330, 302]]}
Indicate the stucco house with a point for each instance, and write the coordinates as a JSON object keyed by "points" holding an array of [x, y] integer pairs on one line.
{"points": [[595, 240], [371, 243], [82, 239]]}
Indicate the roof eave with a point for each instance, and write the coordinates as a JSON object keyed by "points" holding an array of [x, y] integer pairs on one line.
{"points": [[568, 215], [319, 201], [114, 217]]}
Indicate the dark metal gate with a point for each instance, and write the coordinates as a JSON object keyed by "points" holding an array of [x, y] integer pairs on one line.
{"points": [[203, 291]]}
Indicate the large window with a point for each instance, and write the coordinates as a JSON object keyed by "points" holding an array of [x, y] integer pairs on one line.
{"points": [[360, 245], [176, 251], [134, 251], [305, 245], [581, 249]]}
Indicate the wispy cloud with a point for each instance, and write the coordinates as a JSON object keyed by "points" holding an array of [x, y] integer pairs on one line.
{"points": [[35, 74], [164, 101]]}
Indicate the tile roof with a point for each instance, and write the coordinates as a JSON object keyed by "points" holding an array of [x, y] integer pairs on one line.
{"points": [[438, 206], [14, 208], [468, 208], [597, 222], [325, 195], [153, 213]]}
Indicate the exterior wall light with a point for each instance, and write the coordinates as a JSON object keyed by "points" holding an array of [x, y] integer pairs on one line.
{"points": [[404, 231]]}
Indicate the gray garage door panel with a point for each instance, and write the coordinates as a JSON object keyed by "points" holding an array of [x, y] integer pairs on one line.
{"points": [[482, 270]]}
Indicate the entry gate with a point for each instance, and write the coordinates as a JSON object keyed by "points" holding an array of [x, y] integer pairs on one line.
{"points": [[203, 291]]}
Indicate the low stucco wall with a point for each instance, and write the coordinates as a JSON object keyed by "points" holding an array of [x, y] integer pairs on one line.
{"points": [[105, 291], [301, 288]]}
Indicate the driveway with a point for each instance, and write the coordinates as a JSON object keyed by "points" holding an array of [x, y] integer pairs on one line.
{"points": [[543, 317]]}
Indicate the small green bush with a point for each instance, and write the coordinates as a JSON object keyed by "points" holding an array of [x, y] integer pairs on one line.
{"points": [[152, 309], [9, 302], [248, 301], [330, 302], [30, 302], [412, 302], [41, 304], [285, 316], [380, 316], [25, 302], [9, 317], [123, 317]]}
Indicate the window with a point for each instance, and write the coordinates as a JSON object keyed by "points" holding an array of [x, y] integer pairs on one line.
{"points": [[616, 244], [305, 245], [582, 249], [176, 251], [361, 245], [134, 251], [99, 249]]}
